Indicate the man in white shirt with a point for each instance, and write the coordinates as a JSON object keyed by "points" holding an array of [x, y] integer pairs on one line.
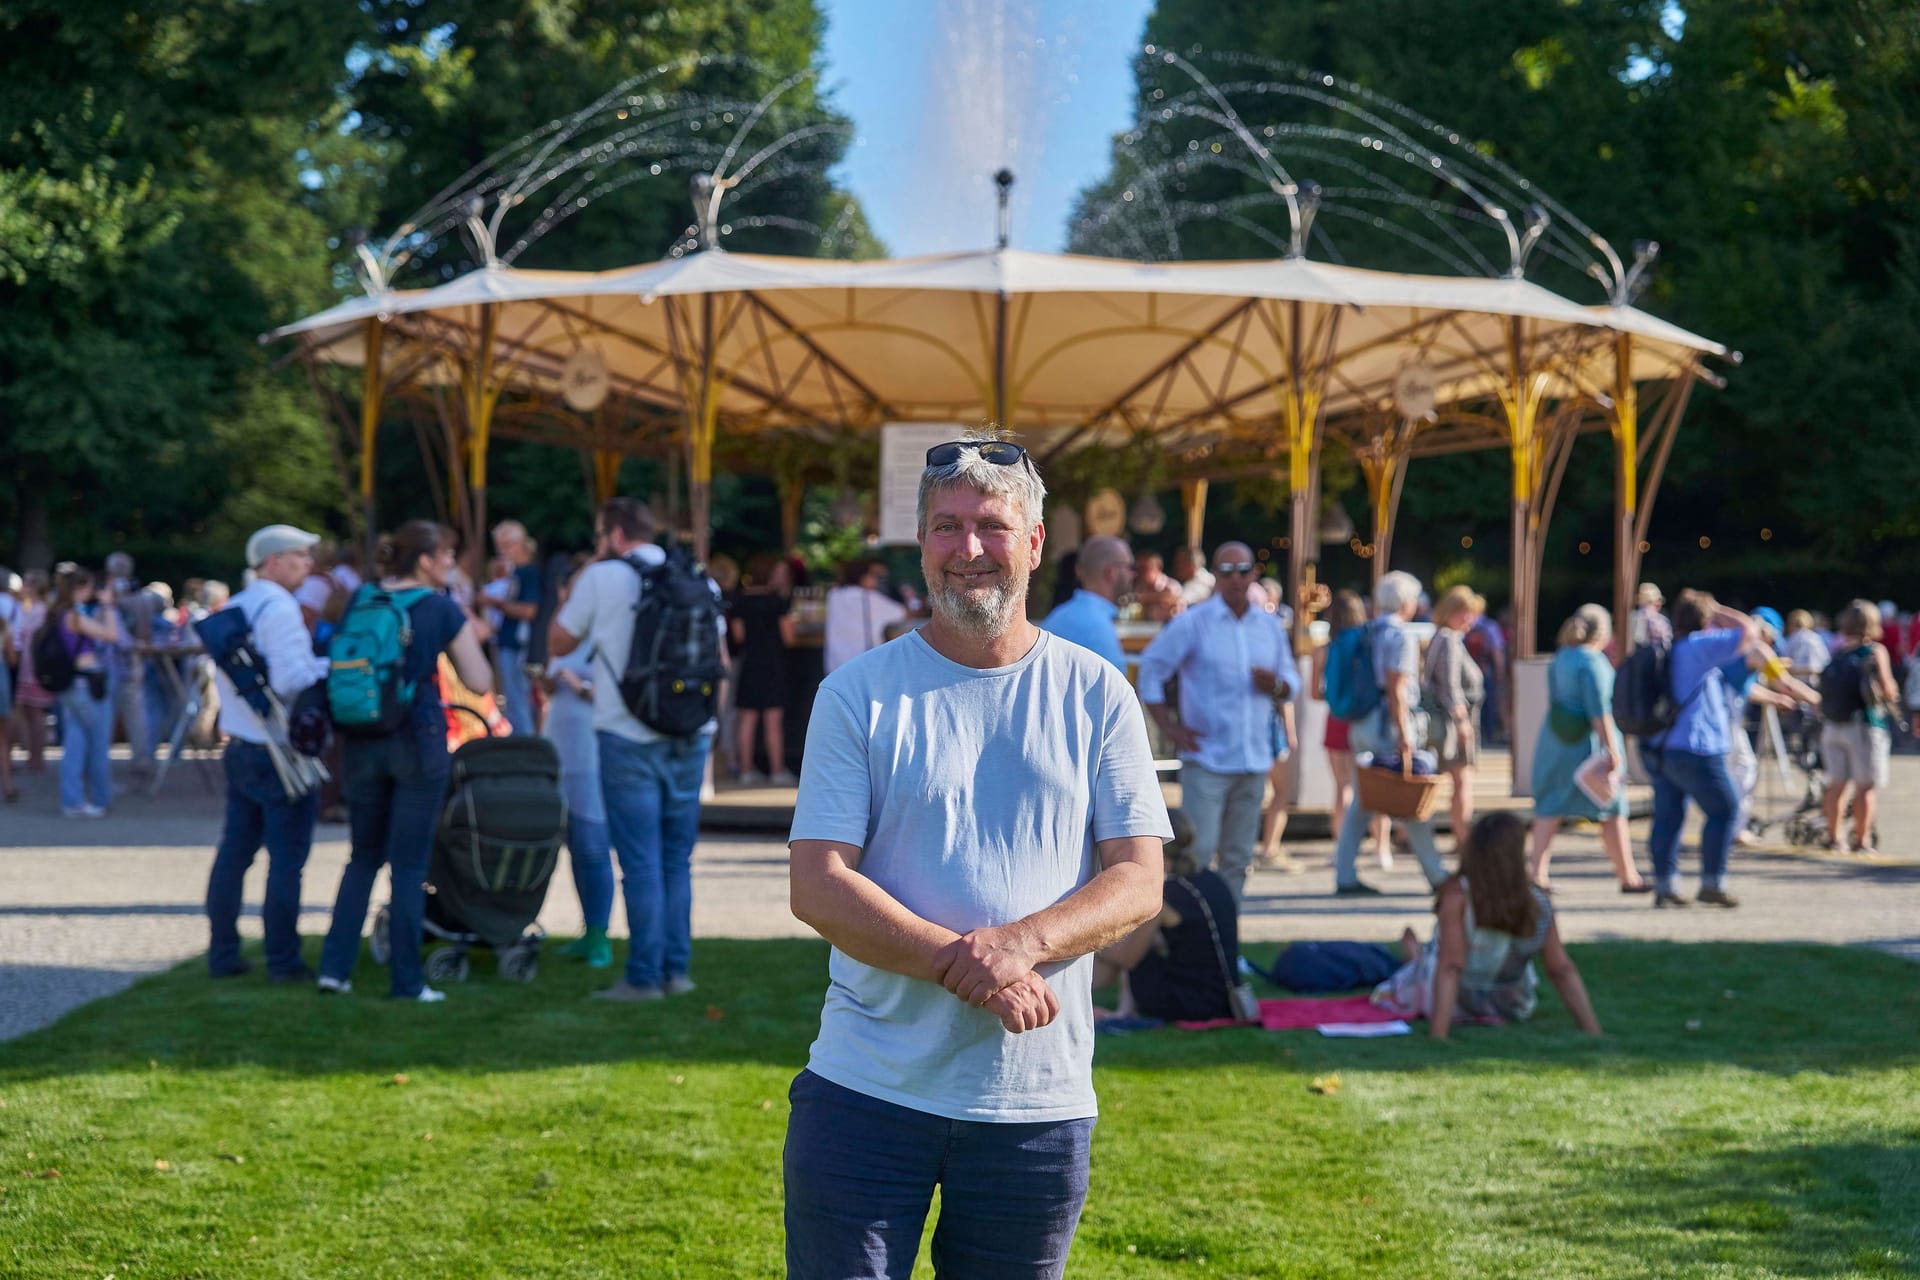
{"points": [[1196, 584], [1236, 668], [977, 816], [858, 614], [258, 807], [650, 783]]}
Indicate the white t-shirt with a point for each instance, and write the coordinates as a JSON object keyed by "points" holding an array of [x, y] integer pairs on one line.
{"points": [[13, 616], [281, 639], [977, 797], [599, 611], [857, 620]]}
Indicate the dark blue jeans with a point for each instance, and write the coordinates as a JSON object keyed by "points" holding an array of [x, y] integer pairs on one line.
{"points": [[258, 811], [1680, 776], [860, 1175], [394, 788], [652, 791]]}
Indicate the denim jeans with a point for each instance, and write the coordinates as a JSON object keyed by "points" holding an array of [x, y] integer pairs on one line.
{"points": [[860, 1175], [394, 788], [1373, 734], [652, 791], [127, 690], [1225, 810], [258, 810], [516, 691], [1680, 776], [86, 731], [592, 858]]}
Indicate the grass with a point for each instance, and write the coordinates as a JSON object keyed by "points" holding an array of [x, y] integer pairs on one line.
{"points": [[236, 1129]]}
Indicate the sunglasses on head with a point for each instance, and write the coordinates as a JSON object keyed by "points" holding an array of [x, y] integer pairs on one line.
{"points": [[1001, 453], [1243, 567]]}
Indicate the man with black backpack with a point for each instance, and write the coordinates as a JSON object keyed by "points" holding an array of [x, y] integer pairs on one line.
{"points": [[259, 806], [653, 620]]}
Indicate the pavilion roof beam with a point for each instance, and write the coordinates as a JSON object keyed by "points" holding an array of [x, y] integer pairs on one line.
{"points": [[1165, 369]]}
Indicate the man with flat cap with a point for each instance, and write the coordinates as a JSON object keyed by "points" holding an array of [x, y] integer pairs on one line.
{"points": [[258, 807]]}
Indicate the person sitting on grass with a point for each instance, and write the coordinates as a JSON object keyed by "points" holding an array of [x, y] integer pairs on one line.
{"points": [[1491, 921], [1176, 965]]}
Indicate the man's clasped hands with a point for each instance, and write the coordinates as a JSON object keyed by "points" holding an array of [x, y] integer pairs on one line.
{"points": [[992, 969]]}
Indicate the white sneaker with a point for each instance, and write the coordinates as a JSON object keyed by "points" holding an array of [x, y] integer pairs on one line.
{"points": [[429, 996], [783, 779], [678, 985], [85, 811], [335, 986], [753, 778]]}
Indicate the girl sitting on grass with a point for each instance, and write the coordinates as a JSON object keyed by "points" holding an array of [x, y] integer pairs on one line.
{"points": [[1492, 920]]}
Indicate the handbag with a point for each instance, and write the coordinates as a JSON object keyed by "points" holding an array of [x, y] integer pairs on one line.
{"points": [[1568, 726], [1240, 997]]}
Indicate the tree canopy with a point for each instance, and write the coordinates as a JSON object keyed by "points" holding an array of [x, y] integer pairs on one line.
{"points": [[180, 176], [1771, 151]]}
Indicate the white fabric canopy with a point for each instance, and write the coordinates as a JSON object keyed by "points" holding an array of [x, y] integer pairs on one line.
{"points": [[1105, 347]]}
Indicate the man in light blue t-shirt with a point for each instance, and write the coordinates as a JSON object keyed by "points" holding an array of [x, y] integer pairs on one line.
{"points": [[1104, 569], [978, 814]]}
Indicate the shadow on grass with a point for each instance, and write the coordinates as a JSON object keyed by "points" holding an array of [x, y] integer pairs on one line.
{"points": [[1774, 1008], [1729, 1204]]}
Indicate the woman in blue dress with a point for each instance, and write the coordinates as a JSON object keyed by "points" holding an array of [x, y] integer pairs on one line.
{"points": [[1579, 726]]}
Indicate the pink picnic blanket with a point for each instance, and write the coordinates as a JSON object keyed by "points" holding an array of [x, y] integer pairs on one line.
{"points": [[1290, 1015]]}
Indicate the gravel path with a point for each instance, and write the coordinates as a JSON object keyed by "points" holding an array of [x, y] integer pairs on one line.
{"points": [[88, 908]]}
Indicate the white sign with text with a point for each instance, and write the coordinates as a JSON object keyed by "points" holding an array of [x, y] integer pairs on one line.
{"points": [[903, 457]]}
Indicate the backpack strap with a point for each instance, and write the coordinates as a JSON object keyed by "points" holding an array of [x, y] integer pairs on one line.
{"points": [[1698, 689]]}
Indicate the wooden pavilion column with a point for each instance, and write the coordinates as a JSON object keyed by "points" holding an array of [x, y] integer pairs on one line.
{"points": [[703, 417], [479, 394], [1626, 490], [1301, 404], [372, 392], [1193, 503], [1522, 397]]}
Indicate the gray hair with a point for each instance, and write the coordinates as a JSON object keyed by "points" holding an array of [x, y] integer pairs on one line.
{"points": [[119, 565], [1021, 482], [1589, 624], [1395, 592]]}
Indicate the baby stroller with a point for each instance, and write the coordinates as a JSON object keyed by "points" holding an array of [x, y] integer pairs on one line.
{"points": [[493, 854]]}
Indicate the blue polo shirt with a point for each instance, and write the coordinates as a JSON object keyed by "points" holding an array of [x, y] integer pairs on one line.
{"points": [[1087, 620], [1703, 726]]}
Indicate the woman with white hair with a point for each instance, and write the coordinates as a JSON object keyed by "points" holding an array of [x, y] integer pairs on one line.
{"points": [[1579, 726], [1396, 721]]}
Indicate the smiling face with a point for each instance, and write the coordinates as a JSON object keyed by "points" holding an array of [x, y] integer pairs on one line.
{"points": [[977, 554]]}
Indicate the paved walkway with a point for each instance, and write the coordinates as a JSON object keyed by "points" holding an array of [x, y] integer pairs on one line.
{"points": [[87, 908]]}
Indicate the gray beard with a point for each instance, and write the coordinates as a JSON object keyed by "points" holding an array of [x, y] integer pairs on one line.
{"points": [[988, 614]]}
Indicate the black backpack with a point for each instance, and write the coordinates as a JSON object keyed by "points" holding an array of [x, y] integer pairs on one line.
{"points": [[1843, 685], [672, 679], [1643, 701], [52, 663]]}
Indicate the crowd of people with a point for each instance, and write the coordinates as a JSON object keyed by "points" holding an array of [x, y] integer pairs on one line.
{"points": [[1218, 685]]}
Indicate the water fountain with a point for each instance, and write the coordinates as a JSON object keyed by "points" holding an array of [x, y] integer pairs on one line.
{"points": [[646, 128], [1275, 150]]}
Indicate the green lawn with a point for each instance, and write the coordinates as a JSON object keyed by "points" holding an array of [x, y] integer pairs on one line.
{"points": [[237, 1129]]}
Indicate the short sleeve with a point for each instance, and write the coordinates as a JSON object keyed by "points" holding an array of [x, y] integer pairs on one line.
{"points": [[1127, 800], [1593, 699], [576, 615], [835, 801], [1717, 648]]}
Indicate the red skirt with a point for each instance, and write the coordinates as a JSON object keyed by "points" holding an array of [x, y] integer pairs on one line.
{"points": [[1337, 730]]}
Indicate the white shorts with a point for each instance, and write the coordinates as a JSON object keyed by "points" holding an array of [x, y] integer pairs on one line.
{"points": [[1856, 752]]}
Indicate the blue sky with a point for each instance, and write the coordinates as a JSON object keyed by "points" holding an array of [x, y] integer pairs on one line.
{"points": [[944, 92]]}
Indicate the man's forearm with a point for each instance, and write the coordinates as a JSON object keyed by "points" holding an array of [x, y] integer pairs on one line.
{"points": [[869, 924], [1101, 912]]}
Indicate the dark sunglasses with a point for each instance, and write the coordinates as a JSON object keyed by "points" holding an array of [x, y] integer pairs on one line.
{"points": [[1244, 567], [1001, 453]]}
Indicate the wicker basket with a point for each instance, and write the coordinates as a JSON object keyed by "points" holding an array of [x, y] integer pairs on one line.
{"points": [[1398, 795]]}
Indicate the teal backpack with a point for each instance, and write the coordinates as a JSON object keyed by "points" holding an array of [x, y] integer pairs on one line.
{"points": [[1352, 690], [365, 692]]}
